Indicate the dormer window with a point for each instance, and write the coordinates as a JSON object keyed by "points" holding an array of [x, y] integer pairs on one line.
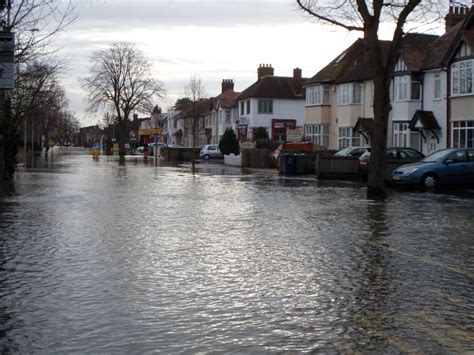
{"points": [[461, 78], [317, 95], [350, 94]]}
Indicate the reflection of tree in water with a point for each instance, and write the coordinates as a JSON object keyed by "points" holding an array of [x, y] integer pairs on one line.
{"points": [[372, 296], [7, 345]]}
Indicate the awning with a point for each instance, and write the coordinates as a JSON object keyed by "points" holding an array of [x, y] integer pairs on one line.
{"points": [[364, 126], [424, 120]]}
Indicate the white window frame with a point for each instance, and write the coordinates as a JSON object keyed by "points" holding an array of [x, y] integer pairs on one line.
{"points": [[462, 134], [462, 78], [401, 134], [350, 94], [404, 88], [347, 138], [317, 134], [401, 88], [265, 107], [317, 95]]}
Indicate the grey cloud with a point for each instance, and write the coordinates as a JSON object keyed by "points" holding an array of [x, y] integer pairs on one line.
{"points": [[183, 13]]}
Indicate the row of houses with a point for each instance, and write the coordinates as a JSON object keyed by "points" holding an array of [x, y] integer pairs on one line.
{"points": [[432, 97]]}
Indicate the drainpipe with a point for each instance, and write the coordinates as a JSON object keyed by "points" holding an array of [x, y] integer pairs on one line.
{"points": [[422, 93], [448, 106]]}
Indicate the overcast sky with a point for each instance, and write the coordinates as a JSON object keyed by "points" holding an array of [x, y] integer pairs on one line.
{"points": [[211, 39]]}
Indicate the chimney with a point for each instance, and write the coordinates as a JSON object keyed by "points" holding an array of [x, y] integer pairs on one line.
{"points": [[227, 84], [264, 70], [297, 80], [456, 14]]}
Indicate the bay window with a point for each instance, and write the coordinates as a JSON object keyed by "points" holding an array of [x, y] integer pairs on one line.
{"points": [[461, 78], [317, 134], [347, 138], [317, 95], [406, 88], [401, 132], [463, 134], [350, 94]]}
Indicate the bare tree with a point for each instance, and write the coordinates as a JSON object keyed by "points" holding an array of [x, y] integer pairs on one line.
{"points": [[121, 79], [37, 86], [36, 23], [67, 127], [192, 108], [40, 100], [367, 17]]}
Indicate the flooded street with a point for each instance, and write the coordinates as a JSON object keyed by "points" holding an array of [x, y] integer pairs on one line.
{"points": [[101, 258]]}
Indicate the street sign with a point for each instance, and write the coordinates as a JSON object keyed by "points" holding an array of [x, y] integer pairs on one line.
{"points": [[294, 135]]}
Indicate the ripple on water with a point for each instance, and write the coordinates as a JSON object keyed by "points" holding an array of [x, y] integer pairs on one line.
{"points": [[100, 258]]}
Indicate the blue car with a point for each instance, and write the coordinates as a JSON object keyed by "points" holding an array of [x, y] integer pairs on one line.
{"points": [[444, 167]]}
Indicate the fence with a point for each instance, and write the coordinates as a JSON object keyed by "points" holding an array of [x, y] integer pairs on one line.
{"points": [[179, 154], [256, 158], [348, 167], [337, 167]]}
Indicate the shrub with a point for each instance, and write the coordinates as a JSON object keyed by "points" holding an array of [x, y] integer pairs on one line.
{"points": [[266, 144], [261, 133], [229, 143]]}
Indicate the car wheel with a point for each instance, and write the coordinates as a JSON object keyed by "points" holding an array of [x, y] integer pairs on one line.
{"points": [[429, 182], [206, 157]]}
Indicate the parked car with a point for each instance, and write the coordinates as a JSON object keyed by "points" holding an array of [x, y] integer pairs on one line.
{"points": [[355, 152], [398, 153], [444, 167], [151, 147], [210, 151]]}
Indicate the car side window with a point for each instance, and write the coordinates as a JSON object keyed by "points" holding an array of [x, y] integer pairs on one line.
{"points": [[457, 157], [392, 154], [211, 147], [357, 153], [470, 154]]}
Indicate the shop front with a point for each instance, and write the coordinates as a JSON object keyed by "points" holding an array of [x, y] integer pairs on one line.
{"points": [[279, 129], [150, 135]]}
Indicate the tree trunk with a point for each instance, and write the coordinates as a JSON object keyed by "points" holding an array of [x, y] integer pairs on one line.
{"points": [[122, 134], [376, 178], [193, 152]]}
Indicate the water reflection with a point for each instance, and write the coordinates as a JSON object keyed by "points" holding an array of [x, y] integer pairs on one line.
{"points": [[101, 257]]}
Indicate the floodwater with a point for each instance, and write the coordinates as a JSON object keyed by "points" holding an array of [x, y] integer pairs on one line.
{"points": [[96, 257]]}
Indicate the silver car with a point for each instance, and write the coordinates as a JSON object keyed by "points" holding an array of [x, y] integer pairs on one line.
{"points": [[210, 151]]}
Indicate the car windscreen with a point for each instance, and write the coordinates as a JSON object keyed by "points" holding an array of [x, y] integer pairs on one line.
{"points": [[343, 152], [436, 156]]}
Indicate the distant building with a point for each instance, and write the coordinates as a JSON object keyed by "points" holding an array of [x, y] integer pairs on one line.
{"points": [[273, 102]]}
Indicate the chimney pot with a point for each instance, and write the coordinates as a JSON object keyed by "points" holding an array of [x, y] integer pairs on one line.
{"points": [[456, 14], [264, 70], [227, 84]]}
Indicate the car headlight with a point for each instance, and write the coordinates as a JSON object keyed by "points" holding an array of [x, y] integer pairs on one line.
{"points": [[409, 171]]}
